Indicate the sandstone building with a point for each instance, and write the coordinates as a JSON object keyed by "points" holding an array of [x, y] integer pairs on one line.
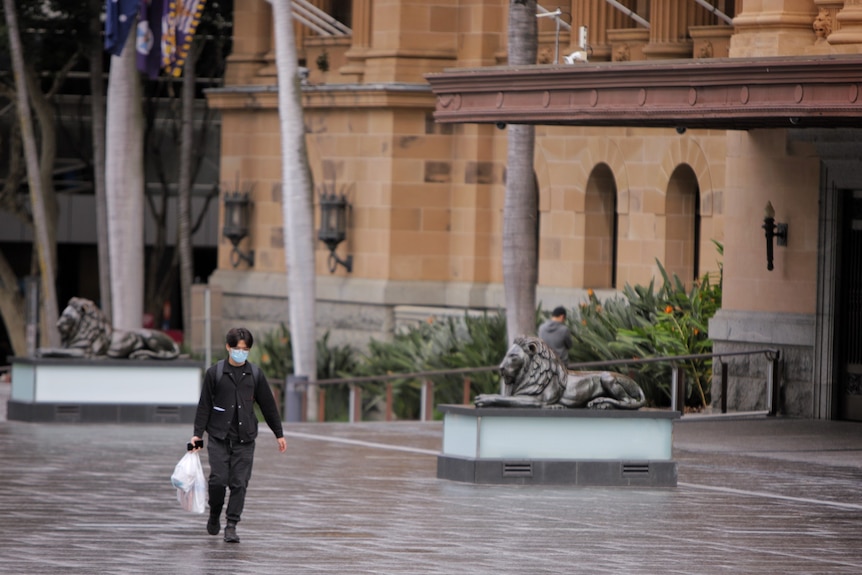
{"points": [[688, 117]]}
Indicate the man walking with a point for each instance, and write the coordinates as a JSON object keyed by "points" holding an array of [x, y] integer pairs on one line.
{"points": [[226, 412], [556, 334]]}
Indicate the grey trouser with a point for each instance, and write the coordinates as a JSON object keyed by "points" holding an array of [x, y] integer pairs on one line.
{"points": [[230, 466]]}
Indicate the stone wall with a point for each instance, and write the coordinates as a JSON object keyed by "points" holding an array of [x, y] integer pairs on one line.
{"points": [[791, 334]]}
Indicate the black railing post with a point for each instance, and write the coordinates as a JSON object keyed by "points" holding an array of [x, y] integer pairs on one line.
{"points": [[389, 401], [674, 389], [724, 387], [773, 381], [321, 405], [426, 403], [466, 391], [677, 393], [355, 406]]}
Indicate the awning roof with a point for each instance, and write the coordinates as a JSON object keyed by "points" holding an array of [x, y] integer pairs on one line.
{"points": [[729, 93]]}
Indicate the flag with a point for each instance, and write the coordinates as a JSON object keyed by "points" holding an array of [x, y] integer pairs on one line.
{"points": [[178, 30], [148, 41], [119, 19]]}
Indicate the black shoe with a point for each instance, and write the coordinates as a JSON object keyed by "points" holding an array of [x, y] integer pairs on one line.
{"points": [[213, 525], [230, 535]]}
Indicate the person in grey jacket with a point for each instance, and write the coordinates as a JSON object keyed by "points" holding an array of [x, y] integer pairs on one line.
{"points": [[226, 412], [556, 334]]}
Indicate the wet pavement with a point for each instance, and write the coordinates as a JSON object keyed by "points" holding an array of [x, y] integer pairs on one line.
{"points": [[754, 496]]}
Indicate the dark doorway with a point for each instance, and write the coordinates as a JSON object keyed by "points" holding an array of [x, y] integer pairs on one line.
{"points": [[849, 311]]}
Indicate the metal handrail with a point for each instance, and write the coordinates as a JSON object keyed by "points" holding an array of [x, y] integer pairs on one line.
{"points": [[677, 380], [414, 375]]}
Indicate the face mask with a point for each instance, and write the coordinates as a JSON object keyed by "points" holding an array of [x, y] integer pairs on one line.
{"points": [[239, 355]]}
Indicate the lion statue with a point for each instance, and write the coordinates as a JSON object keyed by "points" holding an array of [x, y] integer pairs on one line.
{"points": [[86, 332], [533, 376]]}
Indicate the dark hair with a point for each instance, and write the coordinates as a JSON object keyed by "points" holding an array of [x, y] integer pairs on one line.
{"points": [[238, 334], [558, 311]]}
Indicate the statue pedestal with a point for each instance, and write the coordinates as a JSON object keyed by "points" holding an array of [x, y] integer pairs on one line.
{"points": [[104, 390], [558, 446]]}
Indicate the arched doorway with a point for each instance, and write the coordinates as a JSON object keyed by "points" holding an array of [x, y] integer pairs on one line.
{"points": [[850, 302]]}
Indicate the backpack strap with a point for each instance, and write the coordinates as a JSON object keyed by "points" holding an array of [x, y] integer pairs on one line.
{"points": [[219, 371], [255, 372]]}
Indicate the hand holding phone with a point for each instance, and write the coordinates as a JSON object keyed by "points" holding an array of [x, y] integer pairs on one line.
{"points": [[198, 444]]}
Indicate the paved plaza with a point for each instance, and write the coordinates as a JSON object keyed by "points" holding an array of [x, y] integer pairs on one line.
{"points": [[755, 496]]}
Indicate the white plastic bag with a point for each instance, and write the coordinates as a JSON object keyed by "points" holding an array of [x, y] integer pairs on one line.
{"points": [[188, 478]]}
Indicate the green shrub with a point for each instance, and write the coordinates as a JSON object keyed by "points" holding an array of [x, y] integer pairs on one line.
{"points": [[641, 322], [274, 354], [474, 341], [648, 323], [410, 350], [336, 362]]}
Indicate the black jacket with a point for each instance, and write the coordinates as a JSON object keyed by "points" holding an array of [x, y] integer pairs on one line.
{"points": [[219, 400]]}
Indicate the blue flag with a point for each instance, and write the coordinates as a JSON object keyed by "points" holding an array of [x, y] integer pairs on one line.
{"points": [[148, 41], [119, 19]]}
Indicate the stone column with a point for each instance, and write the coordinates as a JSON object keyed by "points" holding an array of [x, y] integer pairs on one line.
{"points": [[361, 26], [482, 34], [669, 23], [599, 17], [410, 38], [252, 40], [849, 20], [776, 28]]}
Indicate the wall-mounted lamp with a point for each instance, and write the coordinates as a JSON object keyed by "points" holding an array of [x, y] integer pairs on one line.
{"points": [[237, 215], [773, 230], [333, 228]]}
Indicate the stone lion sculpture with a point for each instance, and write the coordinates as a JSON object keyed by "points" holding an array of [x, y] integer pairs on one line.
{"points": [[533, 376], [86, 332]]}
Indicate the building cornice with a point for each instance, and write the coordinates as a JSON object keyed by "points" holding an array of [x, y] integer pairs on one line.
{"points": [[396, 95], [730, 93]]}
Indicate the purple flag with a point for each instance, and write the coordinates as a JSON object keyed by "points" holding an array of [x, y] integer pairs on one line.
{"points": [[178, 30], [148, 41], [119, 18]]}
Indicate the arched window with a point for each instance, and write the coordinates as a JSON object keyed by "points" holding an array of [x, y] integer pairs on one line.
{"points": [[600, 233], [682, 226]]}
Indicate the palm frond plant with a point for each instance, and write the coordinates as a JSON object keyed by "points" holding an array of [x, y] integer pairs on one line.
{"points": [[475, 341], [641, 322], [650, 322], [336, 362], [274, 354], [409, 351]]}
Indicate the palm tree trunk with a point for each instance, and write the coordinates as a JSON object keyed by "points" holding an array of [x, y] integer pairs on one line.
{"points": [[520, 264], [124, 188], [520, 238], [12, 306], [97, 108], [45, 116], [184, 192], [41, 223], [296, 205]]}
